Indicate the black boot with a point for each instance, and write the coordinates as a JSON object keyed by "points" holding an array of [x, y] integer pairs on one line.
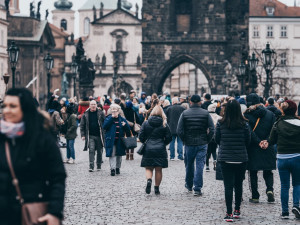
{"points": [[148, 187], [112, 172], [156, 190], [118, 171]]}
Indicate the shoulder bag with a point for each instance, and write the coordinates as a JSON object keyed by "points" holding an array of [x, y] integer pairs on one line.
{"points": [[129, 142], [30, 212], [141, 150], [136, 126]]}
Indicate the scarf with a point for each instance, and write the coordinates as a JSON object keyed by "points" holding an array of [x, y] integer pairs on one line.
{"points": [[12, 130]]}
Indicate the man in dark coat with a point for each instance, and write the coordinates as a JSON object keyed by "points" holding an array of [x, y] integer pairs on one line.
{"points": [[273, 108], [173, 113], [207, 101], [196, 129], [261, 157], [91, 129]]}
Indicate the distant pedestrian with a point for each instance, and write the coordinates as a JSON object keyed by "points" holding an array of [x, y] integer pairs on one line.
{"points": [[285, 133], [183, 101], [71, 134], [91, 129], [207, 101], [233, 135], [196, 129], [273, 108], [157, 131], [115, 128], [173, 114], [83, 106]]}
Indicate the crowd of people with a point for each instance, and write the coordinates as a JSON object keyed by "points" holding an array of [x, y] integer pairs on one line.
{"points": [[240, 133]]}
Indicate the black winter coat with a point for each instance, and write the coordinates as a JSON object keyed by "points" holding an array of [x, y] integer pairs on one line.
{"points": [[173, 114], [260, 159], [233, 143], [155, 151], [195, 126], [274, 110], [206, 104], [41, 177]]}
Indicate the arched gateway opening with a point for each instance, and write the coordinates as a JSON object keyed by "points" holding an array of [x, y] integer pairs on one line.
{"points": [[184, 75]]}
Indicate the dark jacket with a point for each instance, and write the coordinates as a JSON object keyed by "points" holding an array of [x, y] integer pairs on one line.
{"points": [[41, 176], [173, 114], [195, 126], [286, 134], [110, 127], [84, 127], [233, 143], [132, 117], [260, 159], [72, 127], [274, 110], [206, 104], [155, 151]]}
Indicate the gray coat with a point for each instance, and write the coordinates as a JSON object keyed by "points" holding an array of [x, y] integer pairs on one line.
{"points": [[84, 127]]}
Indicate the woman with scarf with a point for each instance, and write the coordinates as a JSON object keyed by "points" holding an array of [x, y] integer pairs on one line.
{"points": [[25, 134]]}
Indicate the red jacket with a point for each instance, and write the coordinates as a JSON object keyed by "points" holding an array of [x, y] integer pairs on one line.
{"points": [[83, 106]]}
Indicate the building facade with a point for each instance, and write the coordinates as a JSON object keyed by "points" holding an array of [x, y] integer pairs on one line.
{"points": [[3, 47], [278, 24]]}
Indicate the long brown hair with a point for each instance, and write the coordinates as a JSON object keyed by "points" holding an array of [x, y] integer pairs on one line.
{"points": [[233, 117]]}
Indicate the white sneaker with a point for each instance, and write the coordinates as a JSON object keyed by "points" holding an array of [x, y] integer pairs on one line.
{"points": [[66, 160], [71, 161]]}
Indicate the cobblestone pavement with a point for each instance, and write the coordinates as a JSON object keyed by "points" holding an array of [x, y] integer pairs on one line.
{"points": [[97, 198]]}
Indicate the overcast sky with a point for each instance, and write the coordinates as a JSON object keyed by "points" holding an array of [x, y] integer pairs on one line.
{"points": [[49, 4]]}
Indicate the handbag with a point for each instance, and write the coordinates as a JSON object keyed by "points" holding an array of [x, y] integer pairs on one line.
{"points": [[129, 142], [30, 212], [142, 149], [136, 126]]}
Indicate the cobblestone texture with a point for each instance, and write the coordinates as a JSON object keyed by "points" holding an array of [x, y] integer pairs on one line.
{"points": [[99, 199]]}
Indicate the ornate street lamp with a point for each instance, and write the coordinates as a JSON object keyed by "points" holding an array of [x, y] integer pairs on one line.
{"points": [[13, 53], [253, 62], [115, 76], [48, 61], [74, 69], [268, 55], [242, 72]]}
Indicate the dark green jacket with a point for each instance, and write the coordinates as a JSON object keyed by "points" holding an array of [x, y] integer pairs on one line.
{"points": [[72, 128], [286, 134]]}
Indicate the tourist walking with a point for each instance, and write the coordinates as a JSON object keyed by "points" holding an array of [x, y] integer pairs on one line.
{"points": [[261, 156], [173, 114], [212, 145], [156, 133], [233, 136], [115, 128], [71, 134], [196, 129], [207, 101], [91, 129], [285, 133], [26, 139], [82, 107]]}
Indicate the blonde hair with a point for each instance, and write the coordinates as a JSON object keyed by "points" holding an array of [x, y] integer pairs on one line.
{"points": [[175, 100], [166, 103], [115, 107], [158, 111]]}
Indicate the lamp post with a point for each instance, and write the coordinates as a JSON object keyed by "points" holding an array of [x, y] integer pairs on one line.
{"points": [[253, 61], [115, 75], [242, 72], [74, 69], [268, 55], [48, 60], [13, 53]]}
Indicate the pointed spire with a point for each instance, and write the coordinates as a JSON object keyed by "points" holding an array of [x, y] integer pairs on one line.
{"points": [[95, 13], [119, 4], [295, 4]]}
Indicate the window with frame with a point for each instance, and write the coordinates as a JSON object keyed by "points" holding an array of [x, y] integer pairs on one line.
{"points": [[86, 26], [2, 37], [283, 31], [255, 31], [270, 11], [63, 24], [283, 58], [270, 31], [183, 11]]}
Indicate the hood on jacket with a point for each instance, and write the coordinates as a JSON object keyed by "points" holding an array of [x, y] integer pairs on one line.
{"points": [[84, 103], [155, 121], [290, 127], [252, 99]]}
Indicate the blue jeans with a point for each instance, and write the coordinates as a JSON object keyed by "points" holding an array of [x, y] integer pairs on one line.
{"points": [[195, 177], [286, 168], [179, 147], [70, 149]]}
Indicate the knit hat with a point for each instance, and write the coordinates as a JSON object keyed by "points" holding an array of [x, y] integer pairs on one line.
{"points": [[195, 99], [289, 108], [212, 108], [252, 99]]}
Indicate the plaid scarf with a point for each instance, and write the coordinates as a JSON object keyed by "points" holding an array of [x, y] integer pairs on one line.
{"points": [[12, 130]]}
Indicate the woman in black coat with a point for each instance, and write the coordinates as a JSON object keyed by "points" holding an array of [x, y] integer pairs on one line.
{"points": [[158, 134], [35, 157], [261, 157], [233, 135]]}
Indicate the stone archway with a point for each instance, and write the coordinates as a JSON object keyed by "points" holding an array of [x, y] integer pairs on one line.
{"points": [[123, 87], [172, 63]]}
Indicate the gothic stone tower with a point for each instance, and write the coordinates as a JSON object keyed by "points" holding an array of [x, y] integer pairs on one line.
{"points": [[205, 33]]}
